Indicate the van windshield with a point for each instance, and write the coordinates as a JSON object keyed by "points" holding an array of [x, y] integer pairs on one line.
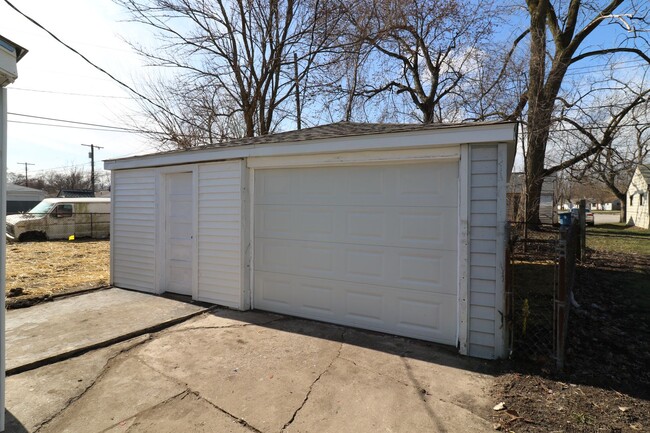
{"points": [[41, 209]]}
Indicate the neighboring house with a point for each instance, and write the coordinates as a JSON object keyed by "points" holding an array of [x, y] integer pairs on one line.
{"points": [[612, 204], [21, 199], [392, 228], [516, 204], [637, 211]]}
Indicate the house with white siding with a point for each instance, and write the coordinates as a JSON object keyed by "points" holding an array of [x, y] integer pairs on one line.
{"points": [[638, 211], [392, 228]]}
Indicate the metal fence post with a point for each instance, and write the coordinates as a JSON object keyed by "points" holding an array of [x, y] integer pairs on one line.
{"points": [[583, 229], [560, 298]]}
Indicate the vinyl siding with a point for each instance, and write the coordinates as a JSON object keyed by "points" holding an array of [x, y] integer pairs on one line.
{"points": [[219, 233], [638, 215], [482, 251], [134, 229]]}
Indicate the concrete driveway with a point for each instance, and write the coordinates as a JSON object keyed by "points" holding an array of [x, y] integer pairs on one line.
{"points": [[227, 371], [57, 330]]}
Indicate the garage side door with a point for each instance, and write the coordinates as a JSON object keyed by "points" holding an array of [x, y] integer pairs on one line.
{"points": [[370, 246]]}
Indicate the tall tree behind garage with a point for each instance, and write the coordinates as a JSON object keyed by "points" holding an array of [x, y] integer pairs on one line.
{"points": [[568, 25], [425, 51], [235, 60]]}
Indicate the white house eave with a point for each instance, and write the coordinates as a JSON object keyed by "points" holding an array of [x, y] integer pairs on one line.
{"points": [[443, 137]]}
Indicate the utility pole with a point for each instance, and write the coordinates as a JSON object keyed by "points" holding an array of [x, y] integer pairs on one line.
{"points": [[26, 179], [91, 155], [297, 80]]}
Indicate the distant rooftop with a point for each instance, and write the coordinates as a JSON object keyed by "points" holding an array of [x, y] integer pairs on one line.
{"points": [[76, 193], [16, 188]]}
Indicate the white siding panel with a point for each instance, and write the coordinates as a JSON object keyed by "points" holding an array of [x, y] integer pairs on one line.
{"points": [[134, 223], [482, 261], [638, 214], [219, 233]]}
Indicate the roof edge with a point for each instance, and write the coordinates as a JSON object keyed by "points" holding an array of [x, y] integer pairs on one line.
{"points": [[432, 137]]}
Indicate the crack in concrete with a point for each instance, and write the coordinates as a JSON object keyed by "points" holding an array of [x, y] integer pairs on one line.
{"points": [[188, 390], [181, 394], [311, 387], [165, 375], [421, 391], [241, 421], [98, 378], [424, 393]]}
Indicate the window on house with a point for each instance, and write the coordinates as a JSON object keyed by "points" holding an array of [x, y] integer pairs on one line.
{"points": [[641, 199], [631, 200]]}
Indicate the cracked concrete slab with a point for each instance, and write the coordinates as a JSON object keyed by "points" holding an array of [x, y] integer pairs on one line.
{"points": [[53, 329], [350, 398], [38, 395], [256, 372], [423, 365], [187, 412], [126, 388]]}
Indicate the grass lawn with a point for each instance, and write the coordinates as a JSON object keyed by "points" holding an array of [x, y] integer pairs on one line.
{"points": [[617, 238]]}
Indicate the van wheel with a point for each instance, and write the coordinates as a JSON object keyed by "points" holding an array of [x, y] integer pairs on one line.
{"points": [[32, 236]]}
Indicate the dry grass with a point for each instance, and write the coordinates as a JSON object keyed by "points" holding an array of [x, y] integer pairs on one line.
{"points": [[48, 268]]}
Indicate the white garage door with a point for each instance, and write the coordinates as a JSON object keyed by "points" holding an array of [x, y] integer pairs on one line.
{"points": [[373, 247]]}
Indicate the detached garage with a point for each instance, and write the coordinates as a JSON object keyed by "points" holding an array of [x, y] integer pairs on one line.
{"points": [[392, 228]]}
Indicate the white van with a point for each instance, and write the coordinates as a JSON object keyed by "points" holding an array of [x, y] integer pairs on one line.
{"points": [[60, 218]]}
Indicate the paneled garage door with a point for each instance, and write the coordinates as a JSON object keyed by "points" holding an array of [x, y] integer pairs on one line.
{"points": [[373, 247]]}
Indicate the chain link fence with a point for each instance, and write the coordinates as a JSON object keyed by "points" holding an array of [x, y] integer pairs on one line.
{"points": [[540, 277]]}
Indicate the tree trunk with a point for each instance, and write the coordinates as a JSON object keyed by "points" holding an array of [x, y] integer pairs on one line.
{"points": [[537, 112], [623, 213]]}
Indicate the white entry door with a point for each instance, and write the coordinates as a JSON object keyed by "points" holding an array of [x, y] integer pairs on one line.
{"points": [[179, 236], [372, 246]]}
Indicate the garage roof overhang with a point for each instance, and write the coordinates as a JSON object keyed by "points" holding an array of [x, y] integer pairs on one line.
{"points": [[417, 138]]}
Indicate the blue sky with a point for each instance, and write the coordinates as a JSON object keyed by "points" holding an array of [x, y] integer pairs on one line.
{"points": [[54, 82]]}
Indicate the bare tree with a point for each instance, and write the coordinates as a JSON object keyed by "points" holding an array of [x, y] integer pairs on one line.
{"points": [[237, 57], [424, 50], [52, 181], [612, 140], [559, 35]]}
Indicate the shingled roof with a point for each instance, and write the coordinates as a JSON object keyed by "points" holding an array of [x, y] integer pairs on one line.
{"points": [[334, 130], [338, 130], [645, 172]]}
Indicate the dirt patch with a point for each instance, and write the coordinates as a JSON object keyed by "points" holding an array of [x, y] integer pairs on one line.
{"points": [[542, 404], [39, 270], [606, 383]]}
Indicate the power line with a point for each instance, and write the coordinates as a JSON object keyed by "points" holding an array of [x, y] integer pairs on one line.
{"points": [[71, 93], [99, 68], [82, 127], [61, 167], [32, 116]]}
